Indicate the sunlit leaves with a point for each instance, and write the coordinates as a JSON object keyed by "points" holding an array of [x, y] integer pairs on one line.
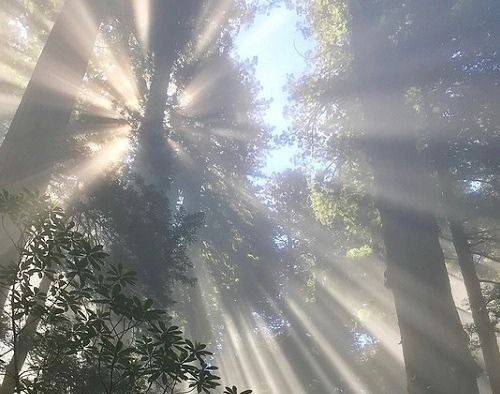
{"points": [[329, 22]]}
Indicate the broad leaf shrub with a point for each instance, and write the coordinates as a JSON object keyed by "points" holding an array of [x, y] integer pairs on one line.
{"points": [[81, 319]]}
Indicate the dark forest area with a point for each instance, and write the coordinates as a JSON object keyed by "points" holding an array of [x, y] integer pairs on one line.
{"points": [[250, 196]]}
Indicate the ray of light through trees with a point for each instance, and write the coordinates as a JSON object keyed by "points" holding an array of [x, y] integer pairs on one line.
{"points": [[307, 189]]}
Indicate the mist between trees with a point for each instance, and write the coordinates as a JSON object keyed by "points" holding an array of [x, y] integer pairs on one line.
{"points": [[149, 243]]}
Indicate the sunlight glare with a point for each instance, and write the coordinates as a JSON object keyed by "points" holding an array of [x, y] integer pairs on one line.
{"points": [[213, 17], [336, 360], [103, 158], [119, 77], [142, 17]]}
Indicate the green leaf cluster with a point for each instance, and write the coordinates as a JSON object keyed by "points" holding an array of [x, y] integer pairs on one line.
{"points": [[86, 325]]}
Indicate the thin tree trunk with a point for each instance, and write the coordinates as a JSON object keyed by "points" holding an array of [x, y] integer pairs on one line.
{"points": [[480, 315], [197, 316], [194, 307], [23, 344]]}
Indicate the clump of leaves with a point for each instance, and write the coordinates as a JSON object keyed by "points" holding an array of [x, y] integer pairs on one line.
{"points": [[76, 323], [234, 390], [140, 228]]}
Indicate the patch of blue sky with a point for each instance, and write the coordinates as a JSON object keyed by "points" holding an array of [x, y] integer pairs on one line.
{"points": [[278, 44]]}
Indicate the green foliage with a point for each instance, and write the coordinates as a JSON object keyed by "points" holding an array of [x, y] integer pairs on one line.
{"points": [[329, 22], [87, 329], [346, 207], [324, 207], [141, 230], [362, 251], [234, 390]]}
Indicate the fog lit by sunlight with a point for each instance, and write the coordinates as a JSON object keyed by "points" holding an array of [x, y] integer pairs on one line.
{"points": [[297, 192]]}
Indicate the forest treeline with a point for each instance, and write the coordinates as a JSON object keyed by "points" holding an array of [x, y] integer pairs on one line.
{"points": [[142, 245]]}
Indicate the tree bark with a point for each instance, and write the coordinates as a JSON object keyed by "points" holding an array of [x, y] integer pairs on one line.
{"points": [[480, 315], [153, 159], [436, 355], [437, 359], [23, 344], [33, 142], [170, 32]]}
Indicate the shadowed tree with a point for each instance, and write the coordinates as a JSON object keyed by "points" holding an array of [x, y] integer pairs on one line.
{"points": [[30, 148], [364, 61], [38, 129], [456, 108], [219, 141], [172, 26], [453, 100], [136, 223], [325, 235]]}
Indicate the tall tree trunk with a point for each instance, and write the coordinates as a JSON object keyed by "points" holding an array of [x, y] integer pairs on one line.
{"points": [[484, 326], [37, 132], [35, 136], [171, 30], [169, 34], [195, 310], [436, 355], [194, 306], [28, 151], [153, 156]]}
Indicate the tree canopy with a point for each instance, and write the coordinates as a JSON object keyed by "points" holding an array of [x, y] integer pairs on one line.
{"points": [[308, 190]]}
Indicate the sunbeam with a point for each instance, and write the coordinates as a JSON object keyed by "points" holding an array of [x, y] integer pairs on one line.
{"points": [[118, 76], [337, 362], [103, 157], [251, 196], [142, 18], [212, 19]]}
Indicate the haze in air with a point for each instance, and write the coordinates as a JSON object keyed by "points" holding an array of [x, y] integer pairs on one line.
{"points": [[250, 196]]}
